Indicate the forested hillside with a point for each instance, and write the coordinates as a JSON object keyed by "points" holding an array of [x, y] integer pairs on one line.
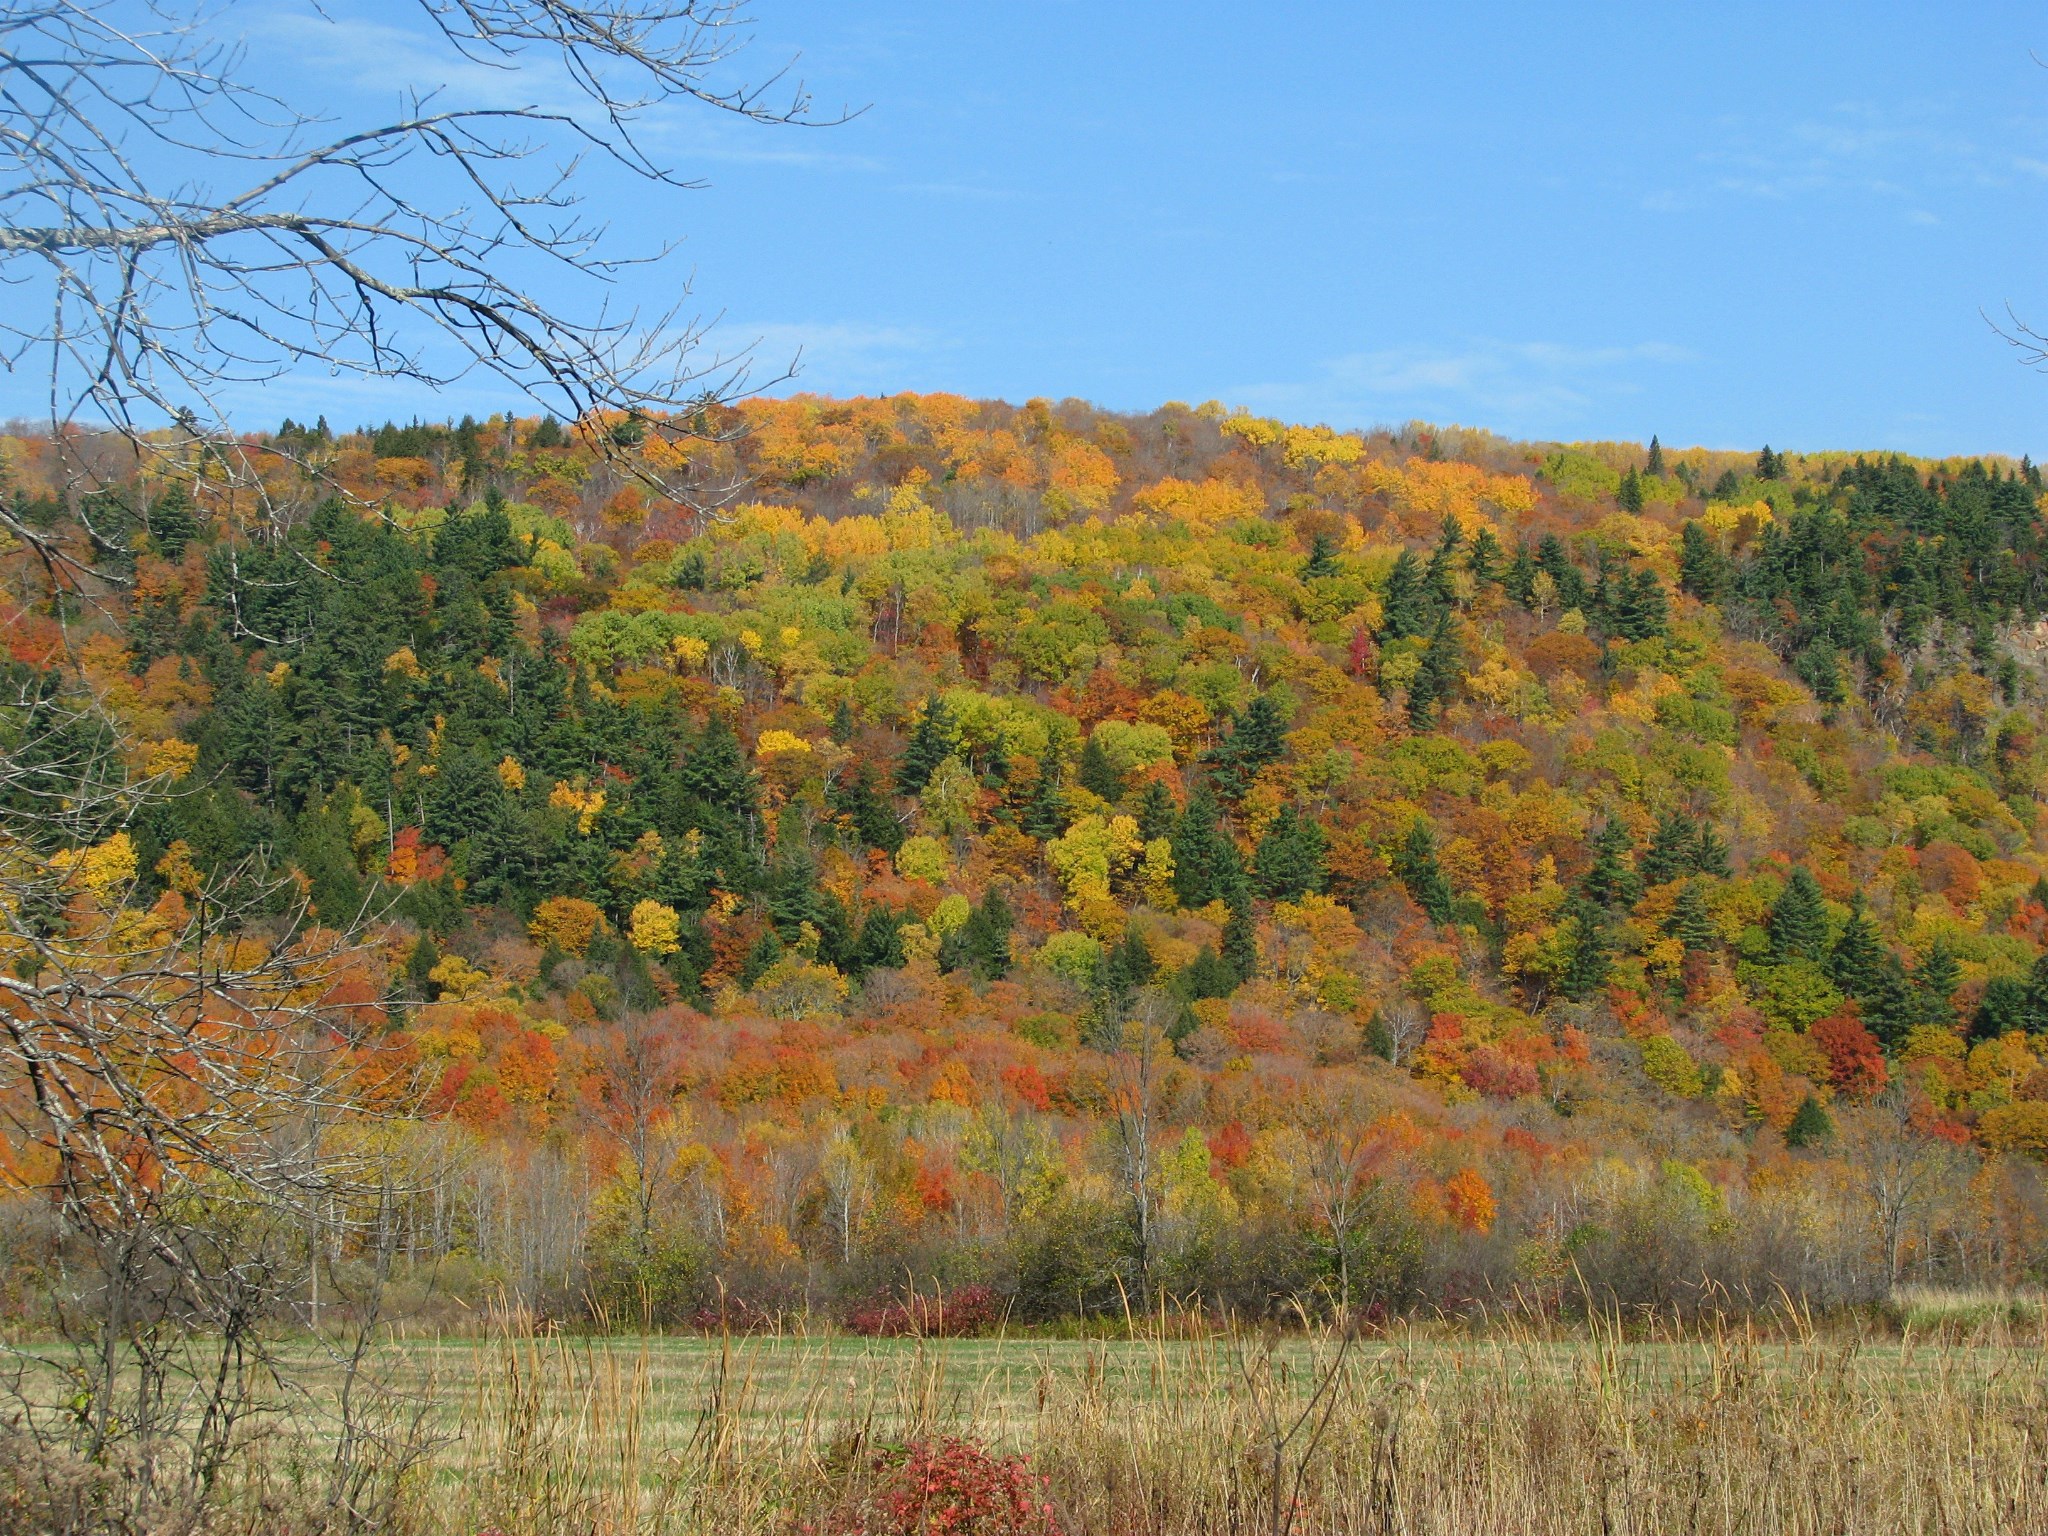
{"points": [[1053, 857]]}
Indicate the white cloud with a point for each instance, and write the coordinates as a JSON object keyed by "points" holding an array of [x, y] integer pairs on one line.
{"points": [[1532, 386], [834, 357]]}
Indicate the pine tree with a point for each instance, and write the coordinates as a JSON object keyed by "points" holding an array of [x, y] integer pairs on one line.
{"points": [[1156, 814], [2037, 994], [1208, 975], [1588, 960], [1858, 956], [1483, 561], [1811, 1125], [1288, 863], [1629, 494], [1769, 465], [1691, 923], [842, 723], [1702, 571], [1045, 813], [1937, 979], [1799, 920], [985, 938], [1097, 774], [172, 523], [1258, 738], [1710, 854], [715, 770], [1437, 677], [1322, 559], [1520, 581], [2001, 1010], [1889, 1003], [1443, 564], [1241, 938], [1669, 856], [1415, 866], [861, 802], [931, 743], [1206, 865], [1612, 881], [1404, 604], [1655, 464]]}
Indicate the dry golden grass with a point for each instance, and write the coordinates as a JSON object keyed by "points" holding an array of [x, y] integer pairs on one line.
{"points": [[1247, 1433]]}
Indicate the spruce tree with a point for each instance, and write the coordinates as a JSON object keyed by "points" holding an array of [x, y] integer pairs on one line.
{"points": [[1691, 923], [1443, 564], [2001, 1010], [1936, 979], [1322, 559], [1612, 881], [1799, 922], [2037, 994], [1156, 814], [1588, 960], [1811, 1125], [1241, 937], [1858, 955], [1655, 464], [1208, 975], [1701, 569], [1415, 866], [1045, 813], [1257, 738], [1404, 602], [172, 523], [1710, 854], [1097, 774], [861, 802], [1629, 494], [1206, 865], [1520, 580], [985, 938], [931, 743], [1483, 560], [1669, 856], [842, 723], [1289, 861]]}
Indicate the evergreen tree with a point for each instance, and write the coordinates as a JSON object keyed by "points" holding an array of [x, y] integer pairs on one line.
{"points": [[1710, 854], [1404, 603], [715, 771], [1156, 814], [1484, 559], [1612, 881], [1520, 581], [1811, 1125], [1799, 921], [1437, 677], [1669, 856], [1858, 955], [1322, 559], [1936, 980], [1288, 863], [1097, 774], [985, 938], [1258, 738], [419, 968], [842, 723], [1415, 866], [1638, 609], [1702, 571], [1890, 1004], [2001, 1010], [931, 743], [1208, 975], [1655, 463], [1206, 864], [1443, 564], [1589, 959], [1241, 937], [1769, 465], [1691, 923], [1629, 494], [172, 523], [2037, 995], [860, 801], [1045, 814]]}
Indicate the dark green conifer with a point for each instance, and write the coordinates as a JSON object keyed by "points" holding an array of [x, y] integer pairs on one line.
{"points": [[1811, 1125], [1415, 866], [1799, 921], [1097, 774], [931, 743], [1241, 937], [1322, 559], [1289, 861]]}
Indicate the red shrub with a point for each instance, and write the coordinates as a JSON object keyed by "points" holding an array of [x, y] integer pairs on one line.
{"points": [[946, 1487], [1498, 1075], [969, 1313]]}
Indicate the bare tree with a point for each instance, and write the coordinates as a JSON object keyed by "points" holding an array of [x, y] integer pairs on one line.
{"points": [[1348, 1159], [171, 233], [1138, 1060], [171, 1081], [638, 1072], [1899, 1168]]}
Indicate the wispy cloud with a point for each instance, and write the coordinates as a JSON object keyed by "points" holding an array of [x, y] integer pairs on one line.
{"points": [[1905, 155], [1534, 386], [835, 357]]}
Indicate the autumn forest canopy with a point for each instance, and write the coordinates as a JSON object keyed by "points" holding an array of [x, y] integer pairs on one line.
{"points": [[1044, 858]]}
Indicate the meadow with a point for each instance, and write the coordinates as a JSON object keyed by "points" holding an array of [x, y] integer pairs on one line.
{"points": [[1517, 1428]]}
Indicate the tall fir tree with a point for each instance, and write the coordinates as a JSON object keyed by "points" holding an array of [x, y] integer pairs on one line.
{"points": [[1588, 958], [1289, 861], [1240, 949], [931, 743], [1799, 921], [1416, 867]]}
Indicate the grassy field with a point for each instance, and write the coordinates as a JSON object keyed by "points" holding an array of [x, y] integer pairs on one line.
{"points": [[1420, 1432]]}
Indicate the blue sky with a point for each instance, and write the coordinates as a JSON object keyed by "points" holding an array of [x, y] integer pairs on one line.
{"points": [[1726, 224]]}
